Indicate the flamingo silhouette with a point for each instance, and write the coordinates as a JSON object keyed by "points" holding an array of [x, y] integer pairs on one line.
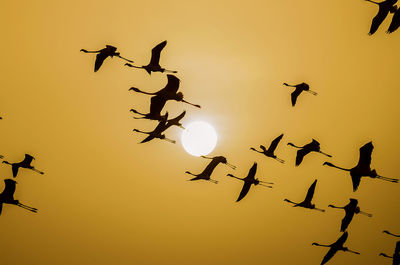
{"points": [[206, 174], [335, 247], [351, 208], [26, 163], [109, 51], [363, 168], [154, 65], [384, 8], [271, 149], [299, 88], [396, 254], [169, 92], [314, 146], [157, 103], [307, 201], [250, 180], [7, 196], [387, 232], [158, 131], [395, 24]]}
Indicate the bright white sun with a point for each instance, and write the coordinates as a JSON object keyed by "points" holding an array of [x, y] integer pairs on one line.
{"points": [[199, 138]]}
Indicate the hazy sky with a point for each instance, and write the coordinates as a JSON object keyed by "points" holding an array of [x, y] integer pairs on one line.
{"points": [[104, 199]]}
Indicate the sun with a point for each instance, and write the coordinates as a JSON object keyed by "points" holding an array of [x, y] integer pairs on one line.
{"points": [[199, 138]]}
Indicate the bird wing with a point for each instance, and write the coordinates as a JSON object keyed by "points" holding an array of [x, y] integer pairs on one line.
{"points": [[9, 189], [365, 155], [395, 24], [244, 191], [342, 239], [148, 138], [300, 155], [1, 207], [15, 168], [176, 119], [28, 159], [378, 19], [275, 143], [397, 249], [294, 95], [161, 125], [157, 103], [332, 251], [310, 192], [100, 57], [248, 181], [356, 179], [346, 220], [155, 53]]}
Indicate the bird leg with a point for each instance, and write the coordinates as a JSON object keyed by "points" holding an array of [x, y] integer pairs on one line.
{"points": [[266, 182], [198, 106], [124, 58], [26, 207], [213, 181], [230, 165], [364, 213], [321, 210], [354, 252], [169, 140], [38, 171], [387, 179], [311, 92], [324, 153], [170, 71], [264, 185], [279, 160]]}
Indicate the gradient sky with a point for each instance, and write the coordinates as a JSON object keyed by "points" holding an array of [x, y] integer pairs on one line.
{"points": [[104, 199]]}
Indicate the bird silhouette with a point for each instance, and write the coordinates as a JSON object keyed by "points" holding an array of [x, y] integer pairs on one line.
{"points": [[395, 24], [250, 180], [158, 131], [7, 196], [299, 88], [363, 168], [351, 208], [396, 254], [270, 151], [154, 65], [169, 92], [387, 232], [157, 103], [102, 54], [335, 247], [314, 146], [26, 163], [206, 174], [307, 201], [384, 8]]}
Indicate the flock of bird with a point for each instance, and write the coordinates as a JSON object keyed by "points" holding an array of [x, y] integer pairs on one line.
{"points": [[170, 92]]}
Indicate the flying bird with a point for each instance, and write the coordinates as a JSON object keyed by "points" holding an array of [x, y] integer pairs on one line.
{"points": [[270, 151], [335, 247], [169, 92], [26, 163], [7, 196], [307, 201], [395, 24], [157, 132], [154, 65], [314, 146], [387, 232], [299, 88], [384, 8], [206, 174], [363, 168], [157, 103], [102, 54], [351, 208], [396, 254], [250, 180]]}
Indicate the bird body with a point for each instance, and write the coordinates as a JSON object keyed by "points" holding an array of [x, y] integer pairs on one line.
{"points": [[7, 196], [299, 88], [206, 174], [384, 8], [395, 24], [270, 152], [108, 51], [314, 146], [26, 163], [307, 202]]}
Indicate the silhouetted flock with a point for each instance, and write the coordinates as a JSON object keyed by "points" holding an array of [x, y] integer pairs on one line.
{"points": [[170, 92]]}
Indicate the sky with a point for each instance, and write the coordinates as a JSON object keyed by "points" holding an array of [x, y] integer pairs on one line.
{"points": [[105, 199]]}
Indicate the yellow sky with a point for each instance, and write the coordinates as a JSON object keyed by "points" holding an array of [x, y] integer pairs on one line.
{"points": [[104, 199]]}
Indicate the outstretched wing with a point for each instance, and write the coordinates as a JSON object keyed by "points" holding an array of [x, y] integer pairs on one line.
{"points": [[378, 19], [346, 220], [155, 53], [14, 169], [161, 125], [9, 189], [275, 143], [157, 103], [342, 239], [244, 191], [100, 57], [329, 255], [396, 261], [300, 155], [1, 207], [356, 179], [27, 160], [310, 192], [175, 120], [395, 24], [365, 155], [294, 95]]}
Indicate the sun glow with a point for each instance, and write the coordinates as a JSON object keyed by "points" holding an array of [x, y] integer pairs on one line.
{"points": [[199, 138]]}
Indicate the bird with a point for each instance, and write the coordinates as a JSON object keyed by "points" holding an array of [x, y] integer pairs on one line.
{"points": [[351, 208], [387, 232], [157, 132], [384, 8], [154, 65], [157, 103], [249, 180], [299, 88], [270, 151], [1, 157], [314, 146], [395, 24], [307, 201], [206, 174], [26, 163], [169, 92], [109, 51], [363, 168], [335, 247], [396, 254], [7, 196]]}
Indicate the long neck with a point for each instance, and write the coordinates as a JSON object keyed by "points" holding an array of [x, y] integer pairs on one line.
{"points": [[6, 162], [387, 232], [336, 207], [294, 145], [319, 245], [372, 2], [140, 91], [332, 165], [187, 172], [251, 148], [230, 175]]}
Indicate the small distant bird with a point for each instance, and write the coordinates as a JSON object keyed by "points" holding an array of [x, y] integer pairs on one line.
{"points": [[270, 151], [157, 132], [206, 174], [169, 92], [363, 168], [387, 232], [314, 146], [250, 180], [26, 163], [154, 65], [335, 247], [7, 196], [307, 201], [109, 51], [395, 24], [157, 103], [384, 8], [351, 208], [299, 88], [396, 254]]}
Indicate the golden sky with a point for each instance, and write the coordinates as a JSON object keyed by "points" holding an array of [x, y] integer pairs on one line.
{"points": [[104, 199]]}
